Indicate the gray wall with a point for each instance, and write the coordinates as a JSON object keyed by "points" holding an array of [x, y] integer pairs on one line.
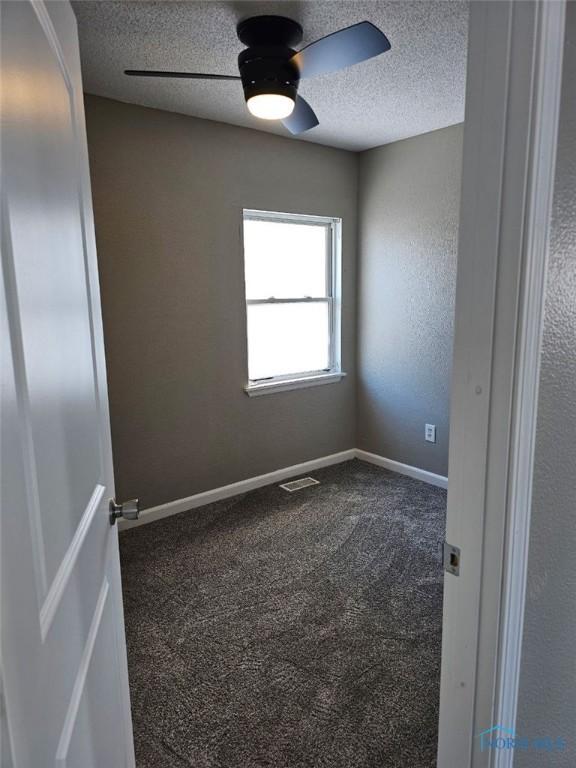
{"points": [[409, 202], [547, 705], [168, 193]]}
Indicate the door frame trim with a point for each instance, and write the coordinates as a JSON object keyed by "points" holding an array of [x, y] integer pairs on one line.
{"points": [[541, 162], [512, 110]]}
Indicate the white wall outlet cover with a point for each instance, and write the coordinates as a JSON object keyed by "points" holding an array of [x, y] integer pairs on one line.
{"points": [[430, 433]]}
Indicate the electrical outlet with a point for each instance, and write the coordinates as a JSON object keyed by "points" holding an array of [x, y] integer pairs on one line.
{"points": [[430, 433]]}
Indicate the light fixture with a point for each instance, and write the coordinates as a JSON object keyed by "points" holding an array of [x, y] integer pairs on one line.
{"points": [[270, 106], [271, 65]]}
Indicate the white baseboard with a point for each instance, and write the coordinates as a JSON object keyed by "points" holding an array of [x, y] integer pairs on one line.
{"points": [[243, 486], [403, 469], [234, 489]]}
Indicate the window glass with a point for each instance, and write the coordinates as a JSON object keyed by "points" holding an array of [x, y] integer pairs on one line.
{"points": [[287, 338], [284, 260]]}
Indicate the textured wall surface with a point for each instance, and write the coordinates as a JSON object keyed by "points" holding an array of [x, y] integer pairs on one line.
{"points": [[409, 200], [168, 195], [547, 705]]}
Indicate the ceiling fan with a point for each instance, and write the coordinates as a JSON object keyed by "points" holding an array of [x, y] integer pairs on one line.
{"points": [[271, 70]]}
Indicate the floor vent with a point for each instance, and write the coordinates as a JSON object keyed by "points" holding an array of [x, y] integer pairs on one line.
{"points": [[296, 485]]}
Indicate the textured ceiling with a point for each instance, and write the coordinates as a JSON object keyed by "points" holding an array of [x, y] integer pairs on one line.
{"points": [[416, 87]]}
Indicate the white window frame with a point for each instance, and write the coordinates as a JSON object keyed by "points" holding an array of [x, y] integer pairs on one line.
{"points": [[334, 371]]}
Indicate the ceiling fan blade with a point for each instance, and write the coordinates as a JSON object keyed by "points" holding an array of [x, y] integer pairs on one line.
{"points": [[302, 118], [184, 75], [341, 49]]}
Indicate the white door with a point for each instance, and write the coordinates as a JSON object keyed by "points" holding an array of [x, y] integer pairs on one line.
{"points": [[65, 685]]}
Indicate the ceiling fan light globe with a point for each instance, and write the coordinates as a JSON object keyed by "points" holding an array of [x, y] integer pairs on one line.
{"points": [[270, 106]]}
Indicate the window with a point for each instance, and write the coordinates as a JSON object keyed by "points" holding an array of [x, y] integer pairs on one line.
{"points": [[292, 275]]}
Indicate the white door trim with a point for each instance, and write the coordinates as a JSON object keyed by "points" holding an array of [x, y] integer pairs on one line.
{"points": [[514, 68], [542, 161]]}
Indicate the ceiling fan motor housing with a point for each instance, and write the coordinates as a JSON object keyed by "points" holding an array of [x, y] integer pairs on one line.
{"points": [[266, 66], [268, 69]]}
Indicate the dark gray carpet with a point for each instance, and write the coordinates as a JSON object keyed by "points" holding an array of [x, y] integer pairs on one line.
{"points": [[281, 630]]}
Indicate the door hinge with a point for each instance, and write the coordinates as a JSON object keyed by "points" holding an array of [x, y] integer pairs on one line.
{"points": [[451, 559]]}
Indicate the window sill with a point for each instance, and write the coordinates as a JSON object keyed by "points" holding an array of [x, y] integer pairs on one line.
{"points": [[270, 387]]}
